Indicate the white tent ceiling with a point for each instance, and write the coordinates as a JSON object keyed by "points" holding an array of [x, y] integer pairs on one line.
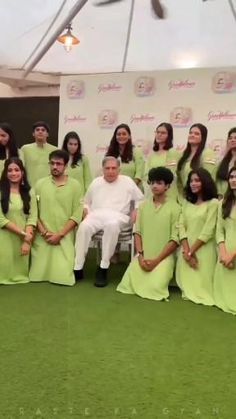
{"points": [[195, 33]]}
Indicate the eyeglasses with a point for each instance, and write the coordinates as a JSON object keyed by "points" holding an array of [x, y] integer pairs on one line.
{"points": [[56, 163]]}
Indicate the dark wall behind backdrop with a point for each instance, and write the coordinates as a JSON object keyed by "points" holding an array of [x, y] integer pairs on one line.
{"points": [[21, 113]]}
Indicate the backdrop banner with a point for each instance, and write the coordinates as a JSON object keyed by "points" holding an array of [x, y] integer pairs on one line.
{"points": [[92, 105]]}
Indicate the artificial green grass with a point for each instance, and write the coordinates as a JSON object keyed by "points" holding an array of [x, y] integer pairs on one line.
{"points": [[86, 352]]}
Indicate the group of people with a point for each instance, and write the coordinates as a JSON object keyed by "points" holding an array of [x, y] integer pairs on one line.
{"points": [[182, 206]]}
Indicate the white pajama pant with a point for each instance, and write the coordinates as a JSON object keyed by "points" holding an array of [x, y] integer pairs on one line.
{"points": [[111, 222]]}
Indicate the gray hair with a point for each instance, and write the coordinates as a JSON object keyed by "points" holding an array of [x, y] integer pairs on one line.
{"points": [[108, 158]]}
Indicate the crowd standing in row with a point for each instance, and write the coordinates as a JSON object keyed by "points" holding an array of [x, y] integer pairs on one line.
{"points": [[184, 228]]}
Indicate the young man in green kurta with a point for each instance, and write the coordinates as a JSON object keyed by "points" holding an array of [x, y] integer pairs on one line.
{"points": [[60, 211], [35, 155], [156, 240]]}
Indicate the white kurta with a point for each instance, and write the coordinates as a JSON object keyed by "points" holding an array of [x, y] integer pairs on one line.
{"points": [[109, 205]]}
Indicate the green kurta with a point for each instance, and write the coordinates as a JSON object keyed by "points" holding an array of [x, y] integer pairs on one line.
{"points": [[225, 279], [82, 173], [135, 168], [198, 222], [157, 226], [222, 185], [56, 205], [14, 268], [208, 162], [167, 158], [35, 160]]}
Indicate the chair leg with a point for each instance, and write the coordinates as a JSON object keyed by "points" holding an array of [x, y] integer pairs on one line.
{"points": [[98, 253]]}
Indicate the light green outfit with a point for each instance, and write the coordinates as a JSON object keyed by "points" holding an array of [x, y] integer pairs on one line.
{"points": [[35, 160], [222, 185], [81, 172], [157, 226], [2, 162], [208, 162], [14, 268], [168, 158], [198, 222], [225, 279], [56, 205], [135, 168]]}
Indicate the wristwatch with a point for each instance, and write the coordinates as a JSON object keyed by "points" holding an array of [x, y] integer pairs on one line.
{"points": [[140, 253]]}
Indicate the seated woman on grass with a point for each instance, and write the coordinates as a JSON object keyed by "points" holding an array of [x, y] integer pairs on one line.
{"points": [[156, 240], [225, 272]]}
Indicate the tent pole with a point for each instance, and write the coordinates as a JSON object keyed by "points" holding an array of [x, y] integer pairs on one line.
{"points": [[74, 11]]}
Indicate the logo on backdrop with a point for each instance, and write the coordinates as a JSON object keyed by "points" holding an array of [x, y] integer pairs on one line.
{"points": [[144, 145], [68, 119], [221, 116], [218, 146], [224, 82], [75, 89], [144, 86], [107, 118], [142, 118], [102, 149], [181, 84], [109, 87], [181, 116]]}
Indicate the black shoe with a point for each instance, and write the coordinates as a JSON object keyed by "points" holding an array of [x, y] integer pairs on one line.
{"points": [[79, 274], [101, 277]]}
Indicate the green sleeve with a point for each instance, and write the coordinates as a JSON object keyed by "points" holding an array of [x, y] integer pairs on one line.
{"points": [[3, 219], [86, 173], [208, 231], [220, 233], [209, 162], [139, 164], [182, 227], [33, 215], [174, 236], [137, 227], [21, 155], [77, 203]]}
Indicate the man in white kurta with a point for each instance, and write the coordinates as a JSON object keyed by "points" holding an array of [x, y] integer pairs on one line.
{"points": [[108, 208]]}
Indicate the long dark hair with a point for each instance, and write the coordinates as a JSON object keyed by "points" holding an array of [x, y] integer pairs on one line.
{"points": [[223, 169], [169, 140], [209, 190], [24, 186], [229, 198], [11, 145], [195, 162], [78, 155], [113, 149]]}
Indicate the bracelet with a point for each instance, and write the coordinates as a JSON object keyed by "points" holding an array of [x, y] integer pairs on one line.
{"points": [[23, 233]]}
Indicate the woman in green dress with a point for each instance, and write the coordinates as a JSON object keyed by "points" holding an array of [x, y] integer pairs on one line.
{"points": [[8, 147], [18, 217], [163, 155], [228, 161], [225, 273], [121, 147], [78, 166], [194, 156], [197, 224], [156, 240]]}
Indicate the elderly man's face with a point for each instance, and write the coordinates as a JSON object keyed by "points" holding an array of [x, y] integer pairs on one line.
{"points": [[111, 170]]}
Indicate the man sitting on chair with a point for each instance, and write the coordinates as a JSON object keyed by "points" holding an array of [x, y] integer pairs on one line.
{"points": [[107, 207]]}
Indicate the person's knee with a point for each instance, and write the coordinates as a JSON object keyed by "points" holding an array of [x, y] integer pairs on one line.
{"points": [[84, 228], [112, 226]]}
